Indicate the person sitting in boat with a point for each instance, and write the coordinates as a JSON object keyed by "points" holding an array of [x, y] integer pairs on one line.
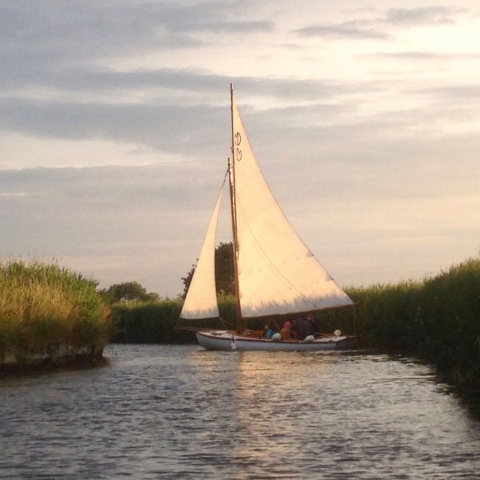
{"points": [[293, 328], [265, 330], [303, 328], [313, 323], [286, 331], [272, 329]]}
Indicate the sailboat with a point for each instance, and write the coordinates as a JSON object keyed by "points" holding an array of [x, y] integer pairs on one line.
{"points": [[275, 273]]}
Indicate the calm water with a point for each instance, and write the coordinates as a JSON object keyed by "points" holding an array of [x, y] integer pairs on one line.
{"points": [[180, 412]]}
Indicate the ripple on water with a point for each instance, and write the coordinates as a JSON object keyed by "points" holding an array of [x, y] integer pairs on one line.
{"points": [[181, 412]]}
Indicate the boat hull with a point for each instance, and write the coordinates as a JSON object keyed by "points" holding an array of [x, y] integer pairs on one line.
{"points": [[226, 341]]}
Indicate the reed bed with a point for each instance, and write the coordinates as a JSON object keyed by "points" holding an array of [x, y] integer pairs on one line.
{"points": [[436, 319], [146, 322], [44, 308], [158, 321]]}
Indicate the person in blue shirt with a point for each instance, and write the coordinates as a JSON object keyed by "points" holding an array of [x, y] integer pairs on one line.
{"points": [[272, 329]]}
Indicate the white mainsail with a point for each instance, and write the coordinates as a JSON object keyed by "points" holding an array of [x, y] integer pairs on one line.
{"points": [[201, 299], [277, 273]]}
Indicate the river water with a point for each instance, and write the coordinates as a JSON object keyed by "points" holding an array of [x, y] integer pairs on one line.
{"points": [[179, 412]]}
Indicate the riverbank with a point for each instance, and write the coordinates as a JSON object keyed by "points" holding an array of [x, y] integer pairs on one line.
{"points": [[64, 358], [49, 317]]}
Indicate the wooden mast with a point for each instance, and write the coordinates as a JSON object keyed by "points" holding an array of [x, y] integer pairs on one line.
{"points": [[233, 209]]}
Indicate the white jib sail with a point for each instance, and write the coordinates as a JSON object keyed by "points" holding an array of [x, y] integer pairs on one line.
{"points": [[278, 274], [201, 299]]}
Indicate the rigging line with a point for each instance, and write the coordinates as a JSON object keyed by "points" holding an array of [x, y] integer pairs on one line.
{"points": [[225, 323], [224, 179], [275, 269], [277, 272]]}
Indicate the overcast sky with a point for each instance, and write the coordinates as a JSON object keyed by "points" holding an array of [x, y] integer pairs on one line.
{"points": [[115, 130]]}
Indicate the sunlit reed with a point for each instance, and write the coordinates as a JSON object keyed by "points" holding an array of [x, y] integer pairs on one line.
{"points": [[47, 307]]}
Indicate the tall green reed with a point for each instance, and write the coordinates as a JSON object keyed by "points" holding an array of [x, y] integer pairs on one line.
{"points": [[436, 319], [45, 306]]}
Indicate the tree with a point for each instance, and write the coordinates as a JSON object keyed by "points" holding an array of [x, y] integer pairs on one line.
{"points": [[187, 281], [127, 291], [223, 271]]}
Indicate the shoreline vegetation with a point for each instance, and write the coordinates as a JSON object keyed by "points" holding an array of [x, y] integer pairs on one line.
{"points": [[436, 320], [49, 317]]}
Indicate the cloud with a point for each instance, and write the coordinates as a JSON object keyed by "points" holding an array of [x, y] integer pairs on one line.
{"points": [[421, 16], [370, 26], [424, 56], [73, 31], [347, 30], [64, 46], [168, 128], [454, 93], [190, 126], [12, 194], [158, 84], [112, 187]]}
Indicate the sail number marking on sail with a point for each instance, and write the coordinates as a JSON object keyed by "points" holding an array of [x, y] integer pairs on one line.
{"points": [[238, 141]]}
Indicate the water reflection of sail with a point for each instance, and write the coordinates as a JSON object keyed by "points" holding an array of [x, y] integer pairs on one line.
{"points": [[271, 389]]}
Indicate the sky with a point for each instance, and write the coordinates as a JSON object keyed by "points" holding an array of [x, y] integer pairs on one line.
{"points": [[115, 131]]}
